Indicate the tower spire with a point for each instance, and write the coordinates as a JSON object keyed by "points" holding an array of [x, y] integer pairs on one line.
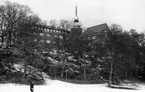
{"points": [[76, 20], [76, 11], [76, 14]]}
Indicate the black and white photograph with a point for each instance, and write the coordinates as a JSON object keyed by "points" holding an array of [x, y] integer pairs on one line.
{"points": [[72, 45]]}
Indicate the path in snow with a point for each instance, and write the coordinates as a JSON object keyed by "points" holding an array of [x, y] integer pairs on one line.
{"points": [[59, 86]]}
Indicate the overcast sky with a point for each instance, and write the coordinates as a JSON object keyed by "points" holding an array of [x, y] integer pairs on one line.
{"points": [[128, 13]]}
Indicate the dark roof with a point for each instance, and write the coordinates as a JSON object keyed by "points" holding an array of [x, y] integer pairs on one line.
{"points": [[96, 29]]}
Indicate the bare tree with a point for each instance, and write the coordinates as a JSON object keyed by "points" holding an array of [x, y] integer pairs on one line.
{"points": [[15, 20], [65, 24], [53, 23], [11, 15], [115, 31]]}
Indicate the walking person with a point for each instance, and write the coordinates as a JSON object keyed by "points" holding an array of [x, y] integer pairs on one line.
{"points": [[31, 86]]}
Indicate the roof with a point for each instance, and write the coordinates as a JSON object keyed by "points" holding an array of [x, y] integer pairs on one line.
{"points": [[96, 29]]}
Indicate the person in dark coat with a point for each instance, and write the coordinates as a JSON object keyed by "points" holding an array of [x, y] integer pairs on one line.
{"points": [[31, 86]]}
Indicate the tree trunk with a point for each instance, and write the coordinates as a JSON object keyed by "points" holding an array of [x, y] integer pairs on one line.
{"points": [[2, 39], [66, 77], [110, 76], [84, 73], [62, 72], [111, 68], [111, 71], [25, 69]]}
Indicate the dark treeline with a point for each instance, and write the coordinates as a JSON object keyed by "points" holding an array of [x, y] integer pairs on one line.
{"points": [[120, 58]]}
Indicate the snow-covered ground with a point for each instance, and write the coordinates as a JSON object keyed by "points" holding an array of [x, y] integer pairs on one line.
{"points": [[59, 86]]}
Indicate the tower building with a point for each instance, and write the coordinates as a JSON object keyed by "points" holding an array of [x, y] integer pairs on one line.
{"points": [[76, 31]]}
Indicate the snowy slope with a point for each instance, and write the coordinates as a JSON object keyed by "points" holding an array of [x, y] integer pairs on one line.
{"points": [[59, 86]]}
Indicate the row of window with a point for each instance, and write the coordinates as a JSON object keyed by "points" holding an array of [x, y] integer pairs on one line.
{"points": [[53, 35]]}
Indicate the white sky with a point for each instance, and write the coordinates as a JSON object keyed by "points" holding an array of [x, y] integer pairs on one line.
{"points": [[128, 13]]}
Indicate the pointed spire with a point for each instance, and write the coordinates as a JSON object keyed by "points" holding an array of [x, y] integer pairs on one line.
{"points": [[76, 11], [76, 14], [76, 20]]}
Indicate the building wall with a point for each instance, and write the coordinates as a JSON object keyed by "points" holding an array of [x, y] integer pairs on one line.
{"points": [[98, 41]]}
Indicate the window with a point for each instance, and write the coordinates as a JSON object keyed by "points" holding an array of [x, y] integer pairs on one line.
{"points": [[48, 41], [55, 36], [41, 34], [60, 37], [53, 42], [41, 40], [93, 37], [48, 35]]}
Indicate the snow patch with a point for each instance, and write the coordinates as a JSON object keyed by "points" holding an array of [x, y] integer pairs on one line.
{"points": [[59, 86]]}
